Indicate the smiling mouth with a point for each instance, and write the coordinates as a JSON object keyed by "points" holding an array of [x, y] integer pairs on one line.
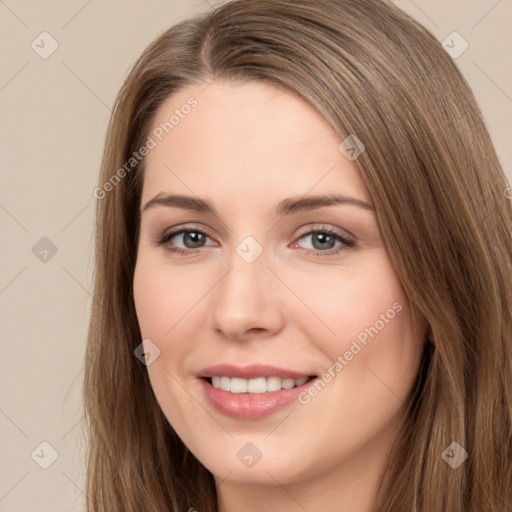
{"points": [[257, 385]]}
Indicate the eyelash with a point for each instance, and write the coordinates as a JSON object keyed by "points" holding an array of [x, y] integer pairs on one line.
{"points": [[346, 242]]}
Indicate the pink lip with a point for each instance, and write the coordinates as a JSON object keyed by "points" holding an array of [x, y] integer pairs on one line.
{"points": [[251, 371], [250, 405]]}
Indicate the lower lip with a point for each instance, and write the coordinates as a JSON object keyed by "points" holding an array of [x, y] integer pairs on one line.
{"points": [[251, 406]]}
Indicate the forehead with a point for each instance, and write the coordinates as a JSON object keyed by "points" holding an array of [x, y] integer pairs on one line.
{"points": [[251, 136]]}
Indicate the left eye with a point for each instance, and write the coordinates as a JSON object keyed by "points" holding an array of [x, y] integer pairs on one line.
{"points": [[325, 240]]}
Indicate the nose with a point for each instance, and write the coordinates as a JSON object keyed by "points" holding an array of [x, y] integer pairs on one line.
{"points": [[247, 302]]}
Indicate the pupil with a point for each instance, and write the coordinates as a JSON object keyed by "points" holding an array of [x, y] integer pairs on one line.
{"points": [[324, 238], [195, 237]]}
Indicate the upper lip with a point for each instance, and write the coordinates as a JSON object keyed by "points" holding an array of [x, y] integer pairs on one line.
{"points": [[251, 371]]}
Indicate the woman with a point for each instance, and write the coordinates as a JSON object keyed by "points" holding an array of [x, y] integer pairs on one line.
{"points": [[303, 276]]}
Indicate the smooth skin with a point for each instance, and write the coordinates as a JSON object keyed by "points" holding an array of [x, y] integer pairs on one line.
{"points": [[299, 305]]}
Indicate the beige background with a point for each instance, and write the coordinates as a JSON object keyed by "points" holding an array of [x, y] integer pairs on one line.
{"points": [[54, 114]]}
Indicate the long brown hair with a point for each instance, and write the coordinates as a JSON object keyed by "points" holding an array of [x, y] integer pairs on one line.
{"points": [[438, 189]]}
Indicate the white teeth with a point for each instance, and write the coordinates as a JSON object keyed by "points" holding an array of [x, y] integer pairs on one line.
{"points": [[238, 385], [257, 385], [274, 383], [288, 383], [299, 382], [225, 383]]}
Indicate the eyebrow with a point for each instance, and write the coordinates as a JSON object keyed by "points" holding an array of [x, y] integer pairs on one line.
{"points": [[287, 206]]}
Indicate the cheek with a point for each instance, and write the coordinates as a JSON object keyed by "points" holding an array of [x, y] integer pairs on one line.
{"points": [[171, 307], [165, 316], [368, 343], [364, 331], [165, 297], [364, 302]]}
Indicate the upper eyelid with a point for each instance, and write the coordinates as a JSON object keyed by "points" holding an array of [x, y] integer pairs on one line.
{"points": [[180, 229]]}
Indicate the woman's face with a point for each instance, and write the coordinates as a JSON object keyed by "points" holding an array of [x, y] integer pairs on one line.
{"points": [[251, 277]]}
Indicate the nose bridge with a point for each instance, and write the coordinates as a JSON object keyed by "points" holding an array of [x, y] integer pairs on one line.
{"points": [[246, 278], [244, 298]]}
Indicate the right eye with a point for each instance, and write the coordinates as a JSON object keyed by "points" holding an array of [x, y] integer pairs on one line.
{"points": [[191, 239]]}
